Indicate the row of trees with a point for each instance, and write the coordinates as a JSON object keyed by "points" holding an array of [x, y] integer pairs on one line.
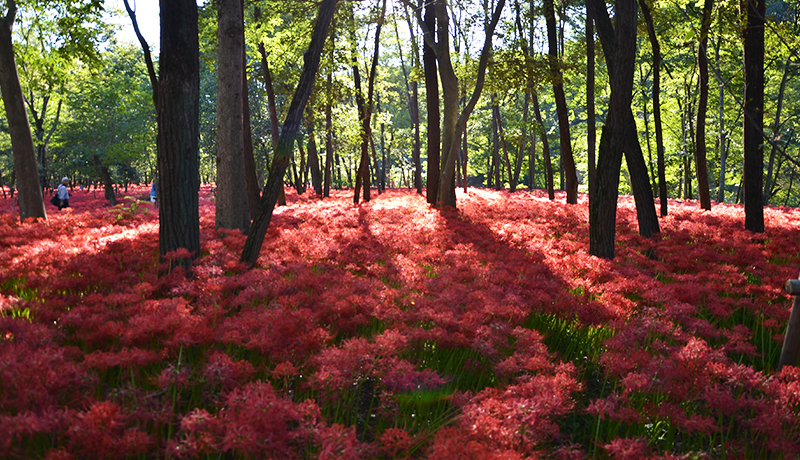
{"points": [[453, 94]]}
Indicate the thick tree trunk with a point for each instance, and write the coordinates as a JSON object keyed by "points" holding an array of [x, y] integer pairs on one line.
{"points": [[616, 132], [311, 58], [701, 164], [548, 164], [178, 129], [231, 204], [561, 105], [754, 115], [452, 134], [640, 181], [31, 203], [105, 176], [432, 102]]}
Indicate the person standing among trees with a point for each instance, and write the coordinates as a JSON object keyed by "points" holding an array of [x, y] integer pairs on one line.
{"points": [[63, 194]]}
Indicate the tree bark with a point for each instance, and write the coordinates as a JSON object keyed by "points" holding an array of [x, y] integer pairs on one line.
{"points": [[29, 191], [754, 115], [701, 164], [231, 203], [548, 164], [776, 126], [326, 190], [313, 159], [178, 129], [412, 97], [640, 181], [452, 134], [311, 58], [105, 176], [722, 136], [251, 175], [561, 105], [432, 101], [615, 135], [273, 113], [656, 49], [591, 126]]}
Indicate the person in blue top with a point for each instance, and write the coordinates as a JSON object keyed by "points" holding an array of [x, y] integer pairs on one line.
{"points": [[154, 194], [63, 194]]}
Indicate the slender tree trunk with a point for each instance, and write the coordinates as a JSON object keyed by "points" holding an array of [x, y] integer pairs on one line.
{"points": [[701, 164], [754, 115], [591, 127], [768, 184], [178, 129], [326, 191], [412, 98], [511, 184], [722, 136], [313, 159], [656, 49], [29, 191], [231, 204], [432, 102], [251, 175], [561, 106], [273, 112], [255, 237], [548, 166], [498, 183]]}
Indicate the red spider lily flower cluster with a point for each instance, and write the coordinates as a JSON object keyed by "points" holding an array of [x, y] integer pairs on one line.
{"points": [[395, 330]]}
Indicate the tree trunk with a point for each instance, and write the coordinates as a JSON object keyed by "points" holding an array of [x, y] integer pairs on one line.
{"points": [[452, 134], [656, 49], [326, 189], [722, 136], [273, 112], [701, 164], [591, 127], [561, 105], [776, 133], [753, 145], [251, 175], [640, 181], [313, 159], [255, 237], [231, 204], [178, 129], [615, 135], [105, 176], [548, 164], [29, 191], [498, 183], [432, 102]]}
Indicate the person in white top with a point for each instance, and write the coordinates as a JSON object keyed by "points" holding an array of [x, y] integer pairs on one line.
{"points": [[63, 194]]}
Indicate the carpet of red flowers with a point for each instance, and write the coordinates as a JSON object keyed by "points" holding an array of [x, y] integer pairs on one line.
{"points": [[395, 330]]}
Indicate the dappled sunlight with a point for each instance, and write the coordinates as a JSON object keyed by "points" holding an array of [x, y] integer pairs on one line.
{"points": [[487, 331]]}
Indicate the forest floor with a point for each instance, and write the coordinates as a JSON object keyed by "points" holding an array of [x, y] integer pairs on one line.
{"points": [[394, 330]]}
